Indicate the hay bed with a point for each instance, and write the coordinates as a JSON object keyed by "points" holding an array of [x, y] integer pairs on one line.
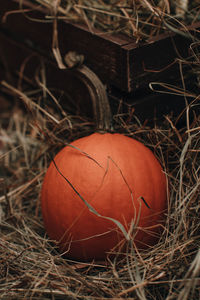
{"points": [[31, 267], [32, 124], [140, 20]]}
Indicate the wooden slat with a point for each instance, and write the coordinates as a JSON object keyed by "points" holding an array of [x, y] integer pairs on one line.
{"points": [[103, 55], [72, 94], [117, 60], [155, 61]]}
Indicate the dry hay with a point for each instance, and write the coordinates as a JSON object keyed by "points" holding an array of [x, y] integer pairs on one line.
{"points": [[32, 268], [141, 20], [33, 124]]}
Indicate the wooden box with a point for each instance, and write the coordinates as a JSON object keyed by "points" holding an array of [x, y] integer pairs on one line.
{"points": [[124, 66]]}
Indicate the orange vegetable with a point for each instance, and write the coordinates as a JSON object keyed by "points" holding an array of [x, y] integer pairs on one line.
{"points": [[102, 190], [120, 178]]}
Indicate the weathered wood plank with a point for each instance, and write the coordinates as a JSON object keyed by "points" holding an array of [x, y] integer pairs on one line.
{"points": [[117, 60], [102, 53]]}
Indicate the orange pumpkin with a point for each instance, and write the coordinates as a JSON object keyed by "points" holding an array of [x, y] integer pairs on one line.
{"points": [[118, 178]]}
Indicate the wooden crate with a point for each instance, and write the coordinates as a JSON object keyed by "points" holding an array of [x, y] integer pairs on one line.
{"points": [[126, 68]]}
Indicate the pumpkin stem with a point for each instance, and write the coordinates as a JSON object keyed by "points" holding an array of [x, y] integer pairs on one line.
{"points": [[100, 102]]}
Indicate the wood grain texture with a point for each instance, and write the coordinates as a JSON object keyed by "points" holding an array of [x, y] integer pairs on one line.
{"points": [[117, 60]]}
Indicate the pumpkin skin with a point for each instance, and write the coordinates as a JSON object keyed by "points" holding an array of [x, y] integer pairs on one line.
{"points": [[116, 177]]}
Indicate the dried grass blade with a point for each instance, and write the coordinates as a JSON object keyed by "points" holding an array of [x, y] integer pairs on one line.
{"points": [[31, 105], [91, 208]]}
